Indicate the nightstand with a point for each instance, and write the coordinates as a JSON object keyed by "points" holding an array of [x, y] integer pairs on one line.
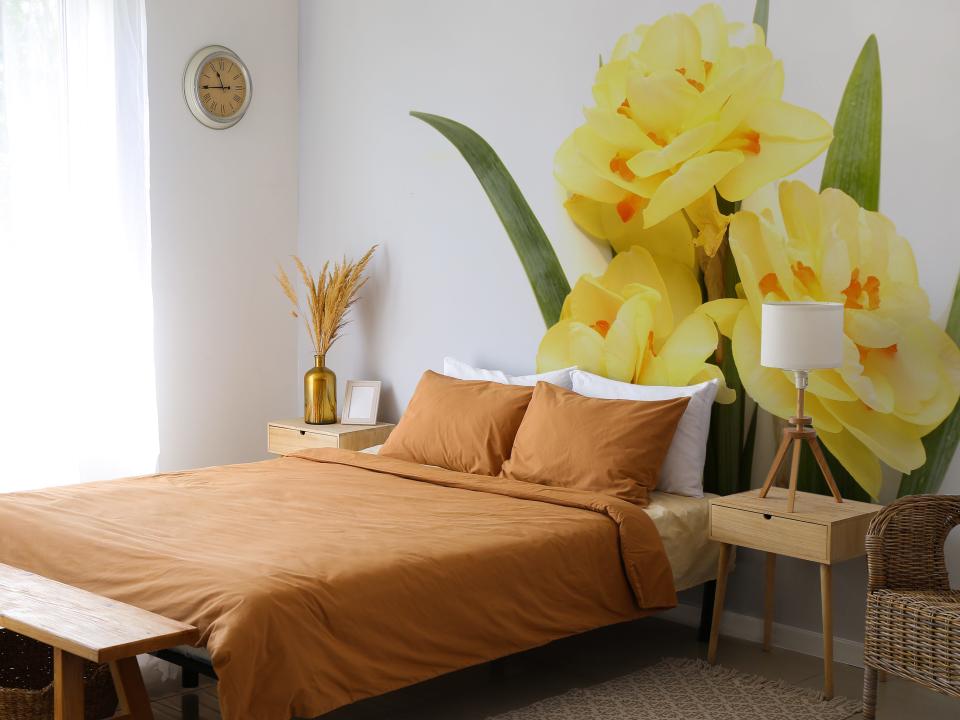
{"points": [[288, 436], [821, 530]]}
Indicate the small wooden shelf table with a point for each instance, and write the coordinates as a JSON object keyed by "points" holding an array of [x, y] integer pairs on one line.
{"points": [[820, 530], [289, 436]]}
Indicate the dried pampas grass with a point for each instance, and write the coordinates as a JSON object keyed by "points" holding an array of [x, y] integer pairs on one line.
{"points": [[329, 297]]}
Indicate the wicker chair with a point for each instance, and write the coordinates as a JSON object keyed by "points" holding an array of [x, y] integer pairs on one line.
{"points": [[913, 617]]}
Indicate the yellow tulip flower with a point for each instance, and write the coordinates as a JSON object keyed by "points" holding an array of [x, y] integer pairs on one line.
{"points": [[901, 372], [680, 111], [636, 323]]}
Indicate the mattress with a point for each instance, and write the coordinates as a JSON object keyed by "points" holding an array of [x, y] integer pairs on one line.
{"points": [[683, 524], [684, 527], [327, 576]]}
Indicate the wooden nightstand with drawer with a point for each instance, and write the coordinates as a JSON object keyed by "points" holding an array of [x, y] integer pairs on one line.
{"points": [[287, 436], [820, 530]]}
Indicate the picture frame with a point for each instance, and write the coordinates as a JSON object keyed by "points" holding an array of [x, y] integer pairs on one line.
{"points": [[361, 402]]}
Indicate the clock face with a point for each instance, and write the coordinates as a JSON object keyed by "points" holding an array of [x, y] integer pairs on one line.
{"points": [[216, 87], [221, 87]]}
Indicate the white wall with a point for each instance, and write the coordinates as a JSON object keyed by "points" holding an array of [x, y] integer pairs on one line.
{"points": [[224, 210], [447, 280]]}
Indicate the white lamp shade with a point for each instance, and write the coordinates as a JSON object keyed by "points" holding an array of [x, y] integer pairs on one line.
{"points": [[801, 335]]}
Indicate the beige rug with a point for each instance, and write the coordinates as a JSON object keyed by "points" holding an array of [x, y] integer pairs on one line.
{"points": [[688, 689]]}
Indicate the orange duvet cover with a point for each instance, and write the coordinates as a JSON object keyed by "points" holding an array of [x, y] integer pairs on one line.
{"points": [[330, 576]]}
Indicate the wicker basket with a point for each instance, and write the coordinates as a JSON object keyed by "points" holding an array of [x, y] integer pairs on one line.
{"points": [[26, 682]]}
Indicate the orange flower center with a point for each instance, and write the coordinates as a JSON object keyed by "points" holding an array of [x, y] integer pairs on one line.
{"points": [[695, 83], [657, 139], [856, 290], [747, 141], [628, 207], [624, 109], [650, 343], [888, 351], [602, 327], [770, 283], [806, 276], [618, 164]]}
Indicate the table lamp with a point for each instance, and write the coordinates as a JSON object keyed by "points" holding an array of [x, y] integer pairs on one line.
{"points": [[799, 337]]}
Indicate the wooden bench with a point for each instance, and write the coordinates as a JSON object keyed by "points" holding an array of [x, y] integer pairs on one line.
{"points": [[80, 625]]}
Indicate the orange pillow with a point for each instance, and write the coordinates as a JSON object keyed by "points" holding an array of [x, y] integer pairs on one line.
{"points": [[463, 425], [613, 447]]}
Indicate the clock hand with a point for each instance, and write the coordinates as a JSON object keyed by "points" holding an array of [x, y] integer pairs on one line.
{"points": [[215, 87], [220, 79]]}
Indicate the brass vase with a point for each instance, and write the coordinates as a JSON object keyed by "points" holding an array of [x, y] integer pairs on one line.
{"points": [[319, 394]]}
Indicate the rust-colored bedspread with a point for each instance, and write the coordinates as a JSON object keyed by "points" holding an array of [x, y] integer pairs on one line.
{"points": [[330, 576]]}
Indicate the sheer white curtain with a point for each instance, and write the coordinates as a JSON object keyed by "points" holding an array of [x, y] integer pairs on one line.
{"points": [[77, 389]]}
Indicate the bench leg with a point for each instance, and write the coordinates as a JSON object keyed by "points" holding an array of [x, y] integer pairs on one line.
{"points": [[134, 701], [189, 678], [67, 685]]}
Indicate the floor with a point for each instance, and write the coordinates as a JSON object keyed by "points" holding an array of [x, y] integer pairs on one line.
{"points": [[480, 692]]}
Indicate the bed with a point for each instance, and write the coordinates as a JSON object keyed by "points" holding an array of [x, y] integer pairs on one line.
{"points": [[328, 576]]}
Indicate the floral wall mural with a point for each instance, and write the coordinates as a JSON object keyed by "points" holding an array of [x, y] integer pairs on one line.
{"points": [[681, 166]]}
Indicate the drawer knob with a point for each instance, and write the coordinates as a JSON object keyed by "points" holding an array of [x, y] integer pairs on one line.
{"points": [[303, 432], [767, 517]]}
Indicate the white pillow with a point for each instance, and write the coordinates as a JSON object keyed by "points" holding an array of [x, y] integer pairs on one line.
{"points": [[460, 370], [682, 470]]}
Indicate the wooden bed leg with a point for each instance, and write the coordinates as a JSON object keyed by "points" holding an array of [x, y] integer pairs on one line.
{"points": [[67, 685], [130, 689], [189, 678], [768, 597], [723, 566], [706, 610]]}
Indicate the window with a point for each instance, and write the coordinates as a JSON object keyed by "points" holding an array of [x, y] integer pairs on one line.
{"points": [[77, 388]]}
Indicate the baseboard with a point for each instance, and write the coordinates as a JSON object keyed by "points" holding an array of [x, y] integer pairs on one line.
{"points": [[788, 637]]}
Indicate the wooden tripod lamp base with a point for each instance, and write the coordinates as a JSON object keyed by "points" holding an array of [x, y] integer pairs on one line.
{"points": [[800, 337], [801, 431]]}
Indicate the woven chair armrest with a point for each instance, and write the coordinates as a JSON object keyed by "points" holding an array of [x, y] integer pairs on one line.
{"points": [[905, 543]]}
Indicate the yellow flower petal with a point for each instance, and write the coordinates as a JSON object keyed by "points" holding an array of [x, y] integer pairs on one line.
{"points": [[710, 222], [790, 137], [591, 302], [671, 238], [585, 212], [693, 341], [665, 98], [801, 214], [571, 343], [683, 147], [690, 182], [670, 43], [857, 459], [724, 313], [628, 337], [895, 442], [578, 176], [725, 395], [683, 289], [637, 267], [713, 29], [618, 129]]}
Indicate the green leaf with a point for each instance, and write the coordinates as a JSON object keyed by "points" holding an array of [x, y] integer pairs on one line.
{"points": [[746, 456], [537, 256], [853, 160], [941, 444], [761, 12]]}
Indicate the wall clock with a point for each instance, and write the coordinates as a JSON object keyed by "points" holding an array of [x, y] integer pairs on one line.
{"points": [[216, 86]]}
